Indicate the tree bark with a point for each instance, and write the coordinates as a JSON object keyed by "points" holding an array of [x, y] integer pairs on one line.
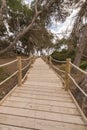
{"points": [[81, 47], [2, 9]]}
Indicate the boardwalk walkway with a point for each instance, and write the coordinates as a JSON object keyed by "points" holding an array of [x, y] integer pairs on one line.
{"points": [[40, 104]]}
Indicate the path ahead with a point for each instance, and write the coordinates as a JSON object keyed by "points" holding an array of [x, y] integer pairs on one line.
{"points": [[40, 104]]}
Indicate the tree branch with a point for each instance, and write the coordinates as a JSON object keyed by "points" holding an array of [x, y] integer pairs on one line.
{"points": [[36, 11], [29, 27], [48, 5]]}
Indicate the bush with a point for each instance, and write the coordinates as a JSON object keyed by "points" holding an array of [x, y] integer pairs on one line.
{"points": [[63, 55], [83, 65]]}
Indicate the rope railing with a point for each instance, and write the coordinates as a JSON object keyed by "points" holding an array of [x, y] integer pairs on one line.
{"points": [[9, 77], [58, 69], [82, 71], [8, 63], [69, 65], [58, 61], [26, 59], [68, 77], [77, 85], [19, 71], [25, 67]]}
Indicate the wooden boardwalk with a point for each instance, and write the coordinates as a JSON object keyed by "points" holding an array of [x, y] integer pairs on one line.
{"points": [[40, 104]]}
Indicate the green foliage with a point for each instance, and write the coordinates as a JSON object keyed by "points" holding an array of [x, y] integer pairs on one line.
{"points": [[83, 65], [19, 16], [41, 39], [0, 3], [59, 55], [28, 12], [15, 5], [59, 43], [63, 55]]}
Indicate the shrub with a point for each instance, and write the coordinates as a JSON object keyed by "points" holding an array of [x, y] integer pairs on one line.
{"points": [[63, 55], [83, 65]]}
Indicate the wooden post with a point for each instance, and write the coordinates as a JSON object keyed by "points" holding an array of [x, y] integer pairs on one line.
{"points": [[50, 60], [68, 69], [19, 71], [46, 60]]}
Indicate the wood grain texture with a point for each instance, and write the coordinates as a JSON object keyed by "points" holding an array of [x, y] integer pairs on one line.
{"points": [[40, 104]]}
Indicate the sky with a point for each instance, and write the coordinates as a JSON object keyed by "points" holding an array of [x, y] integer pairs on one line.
{"points": [[28, 1], [61, 29], [64, 29]]}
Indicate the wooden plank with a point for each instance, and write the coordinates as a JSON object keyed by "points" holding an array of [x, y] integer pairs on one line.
{"points": [[40, 104], [44, 80], [38, 124], [41, 107], [46, 84], [42, 97], [52, 77], [45, 90], [42, 93], [30, 93], [45, 87], [42, 115], [45, 102], [7, 127]]}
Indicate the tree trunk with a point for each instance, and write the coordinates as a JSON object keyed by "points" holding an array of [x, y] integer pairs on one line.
{"points": [[2, 9], [81, 47]]}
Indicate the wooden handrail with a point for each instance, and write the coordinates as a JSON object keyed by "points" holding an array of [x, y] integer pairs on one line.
{"points": [[19, 71], [68, 77], [26, 59], [76, 67], [8, 63], [9, 77], [58, 61], [58, 69], [25, 67], [77, 85], [68, 69]]}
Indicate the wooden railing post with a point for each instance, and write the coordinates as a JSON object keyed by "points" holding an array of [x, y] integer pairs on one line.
{"points": [[46, 59], [19, 71], [68, 69], [50, 60]]}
